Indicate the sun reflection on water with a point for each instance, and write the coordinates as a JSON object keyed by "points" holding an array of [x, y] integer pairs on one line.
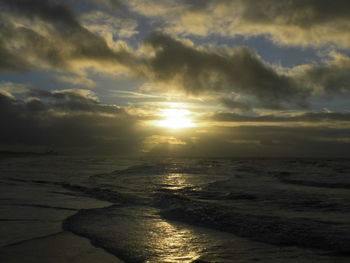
{"points": [[172, 244], [175, 181]]}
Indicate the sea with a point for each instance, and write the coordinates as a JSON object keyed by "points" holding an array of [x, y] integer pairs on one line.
{"points": [[174, 209]]}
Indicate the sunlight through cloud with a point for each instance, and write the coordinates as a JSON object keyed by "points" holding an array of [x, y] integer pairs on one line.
{"points": [[175, 117]]}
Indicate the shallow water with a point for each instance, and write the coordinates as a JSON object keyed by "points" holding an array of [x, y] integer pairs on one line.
{"points": [[186, 210]]}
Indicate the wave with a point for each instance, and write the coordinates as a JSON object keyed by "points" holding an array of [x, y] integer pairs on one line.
{"points": [[275, 230], [333, 180], [159, 211]]}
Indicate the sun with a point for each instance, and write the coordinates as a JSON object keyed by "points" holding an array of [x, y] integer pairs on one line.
{"points": [[175, 119]]}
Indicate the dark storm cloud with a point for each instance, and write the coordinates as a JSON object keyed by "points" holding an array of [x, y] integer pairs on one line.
{"points": [[306, 117], [331, 78], [244, 78], [265, 141], [114, 4], [240, 70], [303, 13], [63, 44], [65, 40], [233, 103], [31, 44], [74, 100], [51, 11], [66, 120], [74, 119], [66, 101], [306, 22], [12, 62], [289, 22]]}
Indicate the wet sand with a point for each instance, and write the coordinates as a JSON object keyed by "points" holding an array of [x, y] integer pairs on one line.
{"points": [[57, 248]]}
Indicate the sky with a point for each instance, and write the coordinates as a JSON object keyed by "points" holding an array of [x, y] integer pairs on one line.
{"points": [[194, 78]]}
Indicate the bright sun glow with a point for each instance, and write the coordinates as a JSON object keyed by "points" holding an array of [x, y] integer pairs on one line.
{"points": [[175, 119]]}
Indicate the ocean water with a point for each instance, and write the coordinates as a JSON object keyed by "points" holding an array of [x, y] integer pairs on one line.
{"points": [[182, 210]]}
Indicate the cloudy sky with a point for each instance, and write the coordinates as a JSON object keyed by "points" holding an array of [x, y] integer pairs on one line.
{"points": [[176, 77]]}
